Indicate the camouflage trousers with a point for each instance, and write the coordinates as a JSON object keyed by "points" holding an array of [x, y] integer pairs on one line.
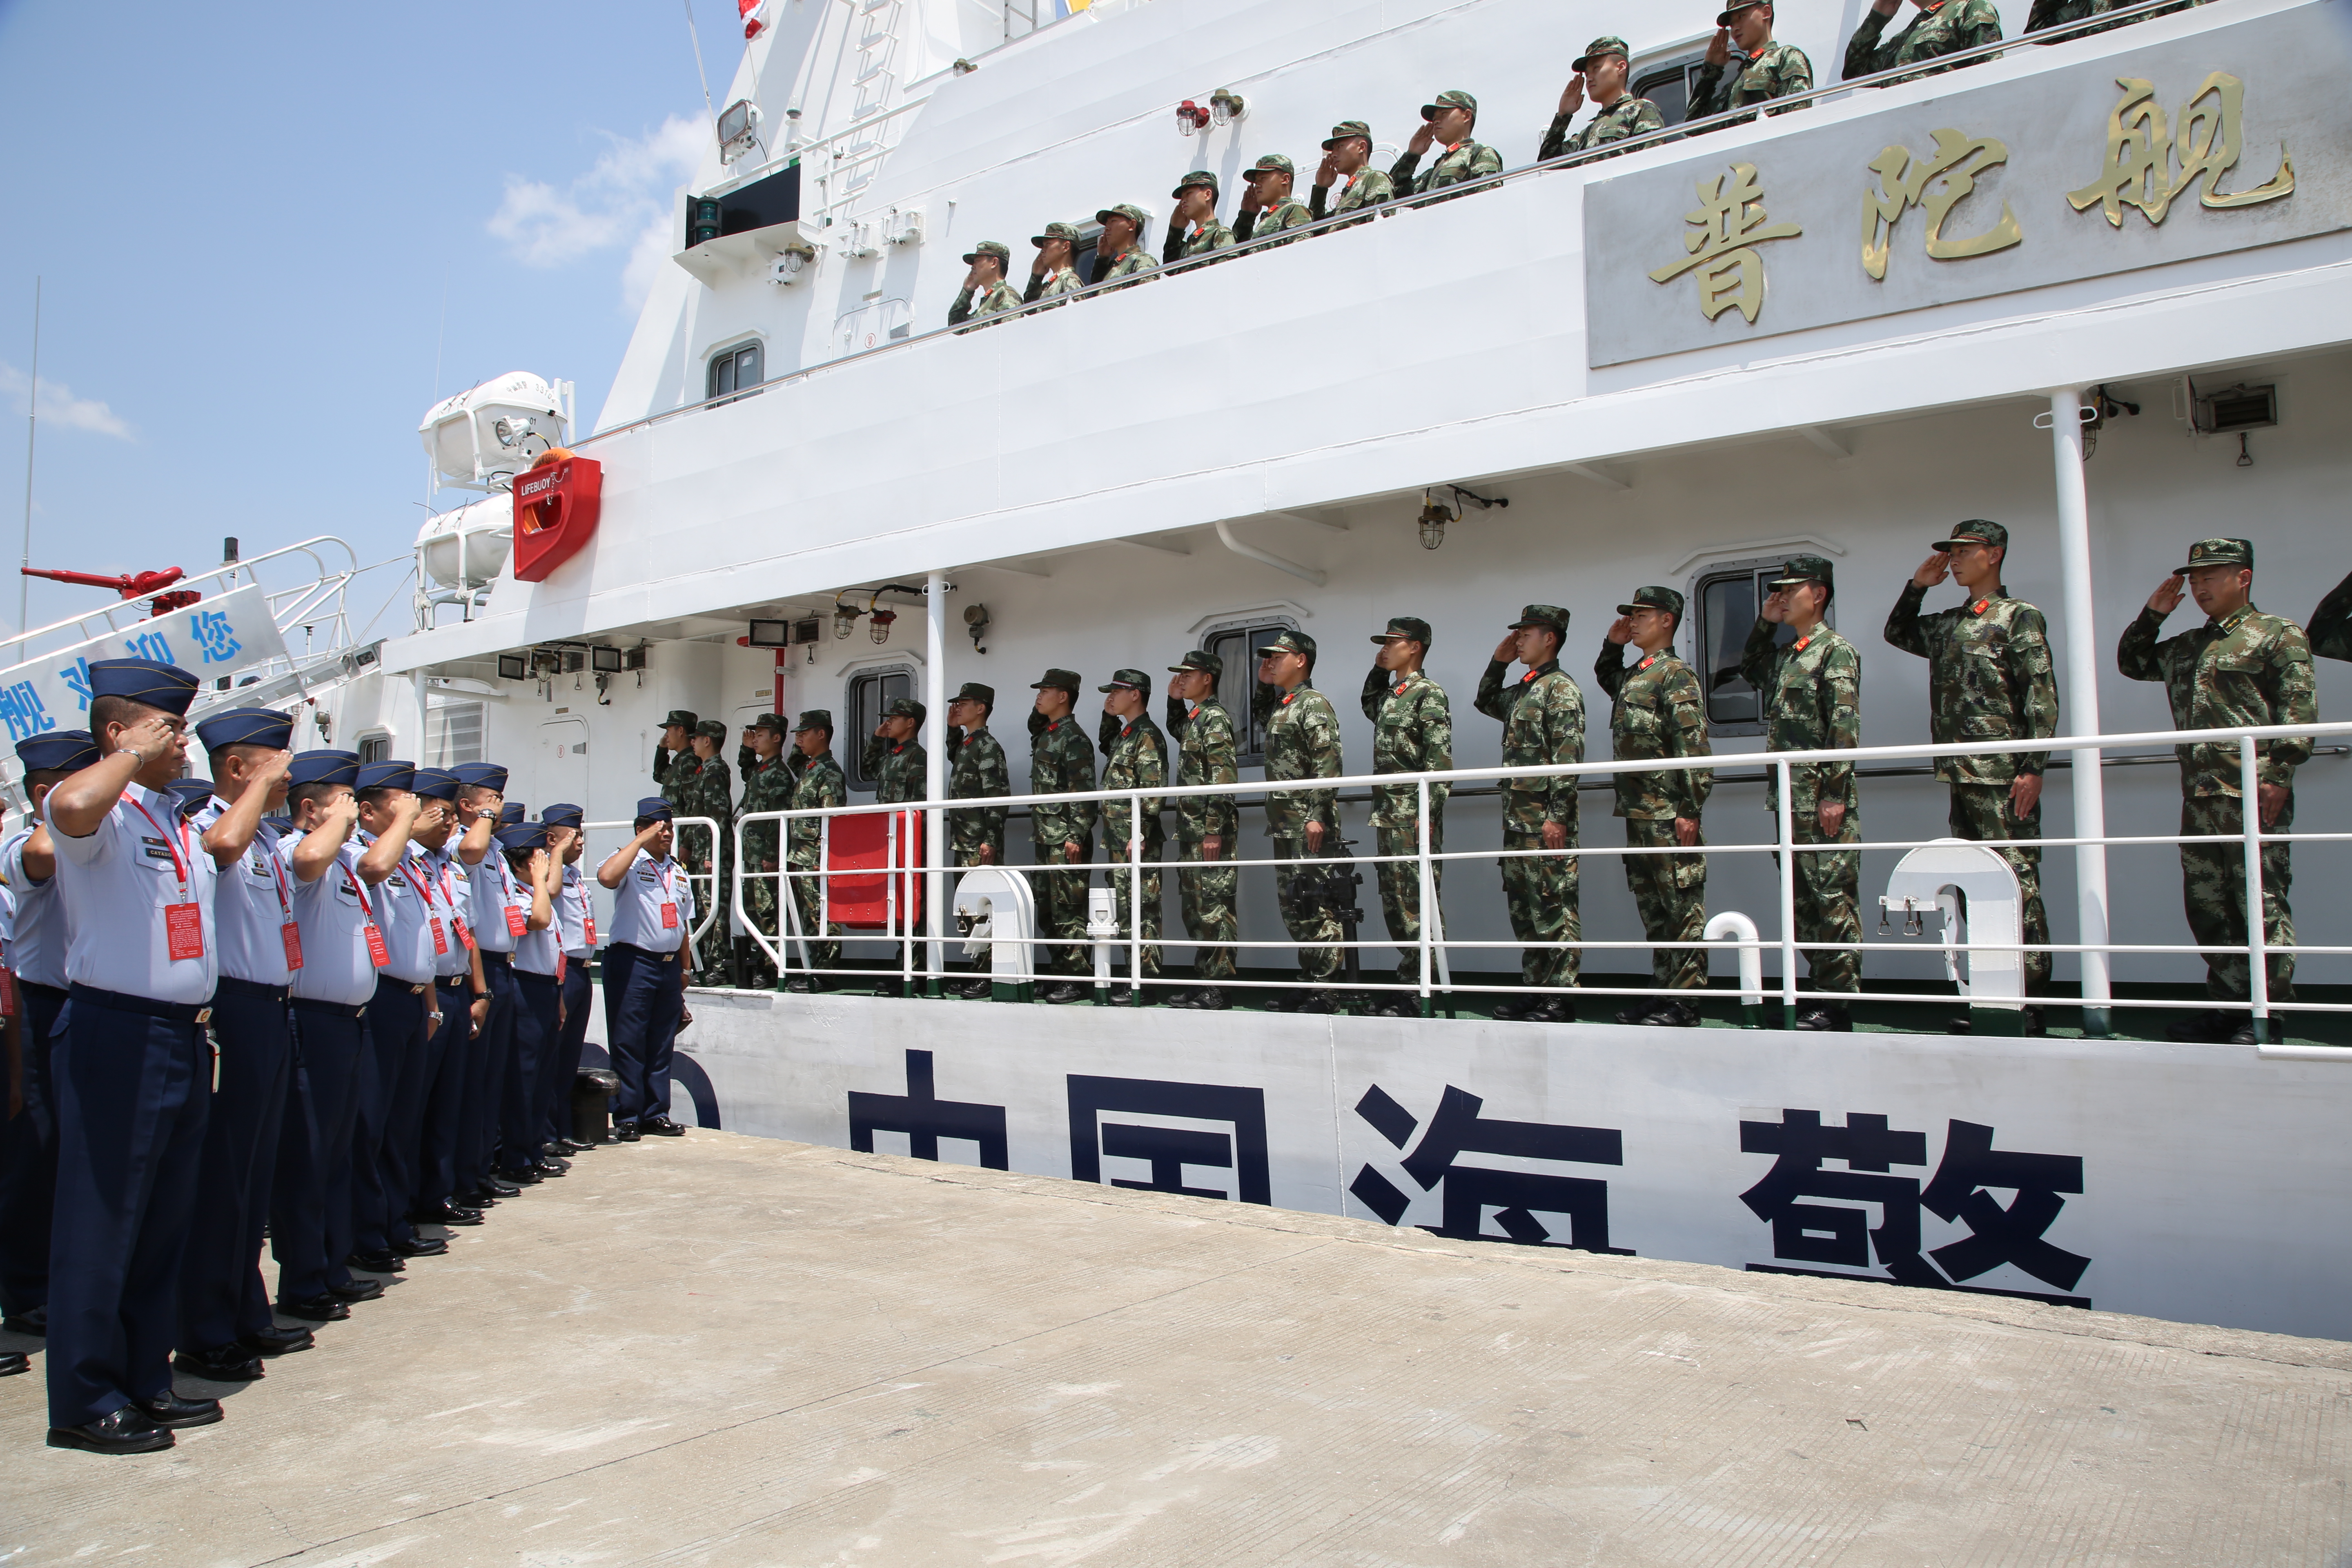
{"points": [[1401, 891], [1306, 915], [2213, 894], [1061, 906], [808, 899], [1829, 899], [1541, 891], [1670, 891], [1120, 881], [1982, 811], [1209, 896]]}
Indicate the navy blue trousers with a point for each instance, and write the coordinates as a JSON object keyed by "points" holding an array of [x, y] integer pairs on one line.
{"points": [[523, 1112], [643, 1000], [28, 1159], [441, 1123], [132, 1093], [401, 1162], [396, 1030], [309, 1208], [570, 1045], [222, 1294], [486, 1084]]}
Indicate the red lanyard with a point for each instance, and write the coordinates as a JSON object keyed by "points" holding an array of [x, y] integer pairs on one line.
{"points": [[181, 867], [366, 910], [424, 888]]}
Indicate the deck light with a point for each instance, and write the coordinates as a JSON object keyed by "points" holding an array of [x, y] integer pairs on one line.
{"points": [[604, 660], [1190, 116], [976, 617], [1226, 106], [845, 619], [769, 634], [878, 624], [738, 130], [514, 667], [1433, 519]]}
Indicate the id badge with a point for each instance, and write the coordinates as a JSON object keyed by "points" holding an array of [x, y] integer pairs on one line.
{"points": [[184, 931], [378, 954], [670, 917], [464, 935], [516, 924], [440, 938], [590, 919], [560, 963], [291, 934]]}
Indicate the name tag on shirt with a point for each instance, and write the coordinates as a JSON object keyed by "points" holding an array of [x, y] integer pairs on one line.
{"points": [[291, 935], [184, 931], [516, 924], [378, 954], [670, 917]]}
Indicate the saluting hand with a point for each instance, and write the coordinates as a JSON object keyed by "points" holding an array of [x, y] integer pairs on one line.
{"points": [[153, 738], [1507, 650], [1327, 173], [1422, 138], [1719, 49], [1621, 630], [1934, 570], [1775, 607], [1571, 97], [274, 766], [2168, 595]]}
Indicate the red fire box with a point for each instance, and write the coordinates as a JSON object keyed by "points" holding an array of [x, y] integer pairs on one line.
{"points": [[555, 508], [865, 846]]}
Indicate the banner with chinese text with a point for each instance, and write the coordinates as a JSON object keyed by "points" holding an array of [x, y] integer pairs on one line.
{"points": [[211, 638]]}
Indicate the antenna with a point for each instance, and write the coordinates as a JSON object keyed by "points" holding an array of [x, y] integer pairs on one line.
{"points": [[707, 107], [32, 429]]}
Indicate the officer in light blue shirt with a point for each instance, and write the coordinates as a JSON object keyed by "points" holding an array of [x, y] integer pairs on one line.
{"points": [[575, 920], [37, 952], [646, 968], [538, 967], [399, 1020], [492, 902], [130, 1066], [424, 1128]]}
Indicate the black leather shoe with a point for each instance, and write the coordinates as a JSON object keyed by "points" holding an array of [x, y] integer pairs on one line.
{"points": [[225, 1364], [1819, 1017], [801, 985], [421, 1246], [276, 1341], [1321, 1000], [889, 987], [445, 1214], [169, 1410], [315, 1309], [13, 1361], [2211, 1028], [661, 1127], [1675, 1015], [626, 1133], [2037, 1022], [384, 1262], [518, 1177], [357, 1290], [1064, 990], [32, 1321], [1208, 999], [1510, 1009], [1552, 1010], [1639, 1012], [124, 1431], [2243, 1035]]}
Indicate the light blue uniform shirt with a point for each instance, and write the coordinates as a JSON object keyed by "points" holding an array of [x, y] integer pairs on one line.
{"points": [[637, 904], [537, 951], [334, 913], [449, 900], [119, 886], [38, 936], [495, 892], [405, 912], [252, 905], [572, 913]]}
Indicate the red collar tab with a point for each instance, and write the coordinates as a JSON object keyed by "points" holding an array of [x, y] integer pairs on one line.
{"points": [[1286, 698], [1979, 607], [1647, 660], [1802, 641]]}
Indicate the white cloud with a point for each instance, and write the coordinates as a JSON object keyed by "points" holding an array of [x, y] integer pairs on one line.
{"points": [[622, 202], [60, 406]]}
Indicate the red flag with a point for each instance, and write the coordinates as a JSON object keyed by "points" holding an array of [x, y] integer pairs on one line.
{"points": [[753, 23]]}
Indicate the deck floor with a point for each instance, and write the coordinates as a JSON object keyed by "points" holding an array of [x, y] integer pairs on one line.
{"points": [[731, 1350]]}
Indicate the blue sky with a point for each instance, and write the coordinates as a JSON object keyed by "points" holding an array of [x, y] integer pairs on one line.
{"points": [[262, 226]]}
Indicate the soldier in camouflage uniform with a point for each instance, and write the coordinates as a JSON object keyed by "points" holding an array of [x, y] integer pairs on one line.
{"points": [[2331, 624], [1445, 123], [1602, 66], [1657, 710], [1768, 67], [1120, 253], [1206, 825], [1051, 275], [1543, 725], [1302, 741], [985, 291], [2049, 13], [2240, 668], [711, 793], [1989, 677], [767, 786], [1412, 732], [1810, 693], [674, 763], [1194, 228], [1269, 207], [893, 758], [1347, 157], [1062, 762], [1941, 27], [1138, 760], [977, 771], [818, 783]]}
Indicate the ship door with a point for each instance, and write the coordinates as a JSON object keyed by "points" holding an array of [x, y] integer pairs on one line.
{"points": [[562, 775]]}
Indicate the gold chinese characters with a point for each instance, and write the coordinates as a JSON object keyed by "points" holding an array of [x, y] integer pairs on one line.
{"points": [[1903, 182], [1729, 222], [2140, 153]]}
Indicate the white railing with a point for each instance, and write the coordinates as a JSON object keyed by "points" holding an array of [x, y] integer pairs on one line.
{"points": [[924, 956]]}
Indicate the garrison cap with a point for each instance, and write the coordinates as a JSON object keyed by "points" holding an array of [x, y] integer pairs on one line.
{"points": [[436, 783], [523, 835], [148, 681], [815, 719], [245, 727], [1410, 627], [1453, 98], [1068, 231], [1600, 46], [715, 729], [1197, 177], [906, 707], [1290, 642], [59, 751], [1736, 7], [1551, 616], [995, 248], [193, 793], [324, 767], [1345, 130], [681, 718], [973, 691], [1272, 164], [563, 815], [1666, 599], [482, 775], [1127, 210], [2204, 552], [775, 722], [1128, 680], [387, 775], [1060, 680], [653, 809], [1805, 569], [1200, 660], [511, 813], [1977, 528]]}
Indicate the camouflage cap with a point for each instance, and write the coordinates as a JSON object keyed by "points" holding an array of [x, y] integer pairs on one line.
{"points": [[714, 728], [1736, 7], [681, 719], [1200, 660], [1128, 680], [1977, 528], [1346, 129], [989, 247], [1127, 210], [775, 723], [1272, 164], [1059, 681], [1413, 629], [1453, 98], [1551, 616], [1197, 177], [1654, 599], [1289, 642], [1068, 231], [906, 707], [815, 719], [1805, 569], [973, 691], [1599, 47], [2220, 552]]}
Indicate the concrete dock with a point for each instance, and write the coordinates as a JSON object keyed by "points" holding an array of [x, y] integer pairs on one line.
{"points": [[735, 1351]]}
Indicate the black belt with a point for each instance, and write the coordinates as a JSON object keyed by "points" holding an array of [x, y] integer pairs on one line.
{"points": [[398, 985], [178, 1012], [533, 974], [235, 987], [337, 1009], [670, 957], [493, 959], [56, 993], [453, 982]]}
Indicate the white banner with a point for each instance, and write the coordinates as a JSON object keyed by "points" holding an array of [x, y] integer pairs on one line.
{"points": [[210, 638]]}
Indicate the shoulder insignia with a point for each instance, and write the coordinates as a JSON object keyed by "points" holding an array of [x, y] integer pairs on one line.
{"points": [[1801, 643]]}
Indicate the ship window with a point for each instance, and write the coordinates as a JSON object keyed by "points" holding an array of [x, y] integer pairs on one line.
{"points": [[734, 371], [870, 691], [1236, 643], [1725, 600], [1669, 84], [375, 748]]}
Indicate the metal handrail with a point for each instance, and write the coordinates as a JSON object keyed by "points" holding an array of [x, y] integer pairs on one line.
{"points": [[710, 906], [330, 579]]}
